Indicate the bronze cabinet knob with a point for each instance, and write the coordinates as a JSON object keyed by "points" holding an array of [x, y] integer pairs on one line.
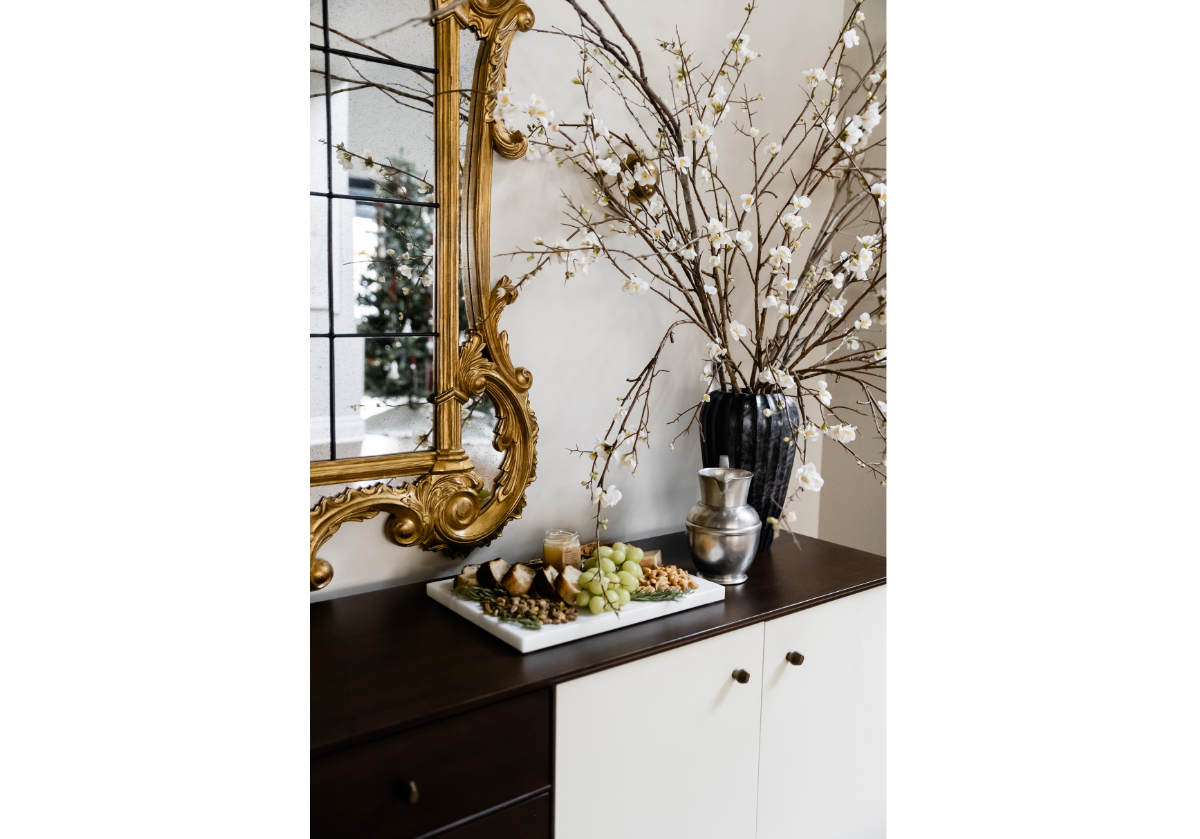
{"points": [[414, 794], [795, 658], [741, 676]]}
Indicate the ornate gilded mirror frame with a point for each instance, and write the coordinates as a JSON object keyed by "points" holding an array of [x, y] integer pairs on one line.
{"points": [[448, 507]]}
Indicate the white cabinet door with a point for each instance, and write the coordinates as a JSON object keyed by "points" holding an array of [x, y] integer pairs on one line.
{"points": [[822, 748], [663, 747]]}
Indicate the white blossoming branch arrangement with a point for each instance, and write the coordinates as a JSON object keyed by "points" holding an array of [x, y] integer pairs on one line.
{"points": [[663, 215]]}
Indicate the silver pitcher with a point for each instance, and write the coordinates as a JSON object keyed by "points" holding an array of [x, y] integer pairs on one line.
{"points": [[722, 528]]}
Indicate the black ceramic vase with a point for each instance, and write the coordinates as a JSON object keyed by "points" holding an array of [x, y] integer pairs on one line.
{"points": [[735, 424]]}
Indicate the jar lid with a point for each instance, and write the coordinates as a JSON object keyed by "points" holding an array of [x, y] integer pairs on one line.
{"points": [[559, 535]]}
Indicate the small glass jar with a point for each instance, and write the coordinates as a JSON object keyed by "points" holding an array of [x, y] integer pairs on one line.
{"points": [[561, 548]]}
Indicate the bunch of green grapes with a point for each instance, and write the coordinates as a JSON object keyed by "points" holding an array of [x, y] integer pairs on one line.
{"points": [[609, 578]]}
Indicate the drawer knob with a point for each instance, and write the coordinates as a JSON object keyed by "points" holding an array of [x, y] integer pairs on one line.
{"points": [[795, 658], [414, 794], [741, 676]]}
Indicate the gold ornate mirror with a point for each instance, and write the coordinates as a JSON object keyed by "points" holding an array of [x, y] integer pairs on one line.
{"points": [[410, 376]]}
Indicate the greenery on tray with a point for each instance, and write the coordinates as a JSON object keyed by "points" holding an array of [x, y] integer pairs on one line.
{"points": [[528, 623], [658, 595], [478, 593]]}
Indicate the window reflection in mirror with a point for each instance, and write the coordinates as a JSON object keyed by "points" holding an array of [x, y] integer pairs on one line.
{"points": [[373, 215]]}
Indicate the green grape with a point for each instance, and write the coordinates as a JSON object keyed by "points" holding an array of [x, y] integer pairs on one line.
{"points": [[587, 576], [634, 554], [612, 579], [595, 587], [631, 567], [604, 550], [596, 605], [618, 557], [589, 563], [607, 565], [619, 546], [624, 595], [610, 594], [581, 599], [628, 581]]}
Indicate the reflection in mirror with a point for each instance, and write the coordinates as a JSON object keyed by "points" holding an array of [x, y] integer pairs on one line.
{"points": [[383, 396], [376, 27], [373, 221], [382, 125]]}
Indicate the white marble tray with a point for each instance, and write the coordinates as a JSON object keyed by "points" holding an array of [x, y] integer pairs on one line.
{"points": [[551, 635]]}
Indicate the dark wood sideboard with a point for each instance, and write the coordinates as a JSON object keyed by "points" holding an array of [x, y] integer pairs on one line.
{"points": [[423, 725]]}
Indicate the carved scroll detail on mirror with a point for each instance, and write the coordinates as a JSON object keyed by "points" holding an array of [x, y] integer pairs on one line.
{"points": [[450, 508]]}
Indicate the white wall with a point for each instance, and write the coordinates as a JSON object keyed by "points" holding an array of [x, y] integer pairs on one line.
{"points": [[581, 340], [853, 504]]}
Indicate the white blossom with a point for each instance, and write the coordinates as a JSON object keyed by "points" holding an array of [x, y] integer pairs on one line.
{"points": [[427, 280], [710, 290], [714, 261], [779, 258], [809, 478], [801, 202], [853, 344], [859, 17], [823, 394], [880, 355], [791, 221], [814, 76], [864, 321], [609, 166], [882, 406], [688, 253], [769, 302], [683, 163], [780, 378], [635, 285], [850, 38], [607, 497], [871, 117], [717, 100], [843, 433], [837, 307], [874, 78], [714, 350], [879, 190], [790, 284], [738, 329], [809, 432], [788, 310], [747, 201], [643, 176], [406, 271], [773, 148], [629, 461], [744, 241], [752, 131]]}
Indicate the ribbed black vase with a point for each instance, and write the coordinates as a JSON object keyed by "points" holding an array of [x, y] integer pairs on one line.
{"points": [[735, 424]]}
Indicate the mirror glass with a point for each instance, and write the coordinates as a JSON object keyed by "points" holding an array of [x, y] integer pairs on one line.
{"points": [[373, 216]]}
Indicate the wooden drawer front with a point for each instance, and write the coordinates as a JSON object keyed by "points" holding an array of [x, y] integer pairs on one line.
{"points": [[460, 765], [528, 820]]}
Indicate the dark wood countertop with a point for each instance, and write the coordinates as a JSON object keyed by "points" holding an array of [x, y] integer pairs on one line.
{"points": [[388, 660]]}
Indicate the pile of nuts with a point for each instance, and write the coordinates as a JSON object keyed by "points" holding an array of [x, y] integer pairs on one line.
{"points": [[666, 576], [520, 606]]}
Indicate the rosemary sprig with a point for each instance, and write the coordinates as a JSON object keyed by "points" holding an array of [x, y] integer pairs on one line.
{"points": [[478, 593], [528, 623], [658, 595]]}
